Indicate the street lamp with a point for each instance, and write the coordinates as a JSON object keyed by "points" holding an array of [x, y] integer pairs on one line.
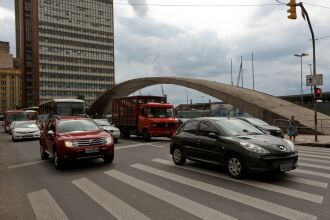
{"points": [[301, 80]]}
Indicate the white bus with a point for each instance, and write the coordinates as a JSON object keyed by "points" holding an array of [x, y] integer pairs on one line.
{"points": [[61, 107]]}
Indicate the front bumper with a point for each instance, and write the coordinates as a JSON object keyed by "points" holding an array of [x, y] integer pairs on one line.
{"points": [[78, 153], [259, 163], [21, 136]]}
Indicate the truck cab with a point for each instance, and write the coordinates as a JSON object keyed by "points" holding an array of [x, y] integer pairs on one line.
{"points": [[156, 120]]}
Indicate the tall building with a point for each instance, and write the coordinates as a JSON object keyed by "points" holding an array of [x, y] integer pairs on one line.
{"points": [[66, 48], [10, 80], [6, 59]]}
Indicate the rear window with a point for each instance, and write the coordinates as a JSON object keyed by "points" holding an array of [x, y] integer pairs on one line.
{"points": [[77, 126], [190, 127]]}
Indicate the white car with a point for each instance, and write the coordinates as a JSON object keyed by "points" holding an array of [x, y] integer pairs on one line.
{"points": [[106, 126], [25, 130], [11, 126]]}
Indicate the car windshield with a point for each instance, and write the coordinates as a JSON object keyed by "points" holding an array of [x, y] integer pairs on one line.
{"points": [[102, 122], [25, 125], [236, 127], [256, 121], [16, 117], [77, 126], [160, 112]]}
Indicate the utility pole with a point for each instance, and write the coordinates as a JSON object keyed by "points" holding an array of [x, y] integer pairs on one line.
{"points": [[231, 71], [301, 80], [252, 73], [242, 70], [310, 69]]}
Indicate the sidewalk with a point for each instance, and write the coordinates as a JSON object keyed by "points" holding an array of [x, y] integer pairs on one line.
{"points": [[308, 140]]}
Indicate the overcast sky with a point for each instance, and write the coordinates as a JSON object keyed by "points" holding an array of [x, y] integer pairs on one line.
{"points": [[199, 41]]}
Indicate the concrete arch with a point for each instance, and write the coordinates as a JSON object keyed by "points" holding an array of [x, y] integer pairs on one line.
{"points": [[260, 105]]}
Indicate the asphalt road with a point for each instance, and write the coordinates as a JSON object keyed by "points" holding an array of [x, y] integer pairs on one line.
{"points": [[143, 183]]}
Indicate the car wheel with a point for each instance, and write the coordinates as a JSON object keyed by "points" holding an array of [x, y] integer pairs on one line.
{"points": [[58, 163], [108, 159], [43, 154], [13, 138], [178, 157], [146, 135], [235, 166]]}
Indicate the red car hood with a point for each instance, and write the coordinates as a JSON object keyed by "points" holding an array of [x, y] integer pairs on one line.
{"points": [[83, 135]]}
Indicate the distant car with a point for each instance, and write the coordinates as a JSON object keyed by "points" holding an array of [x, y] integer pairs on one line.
{"points": [[264, 126], [25, 130], [106, 126], [11, 126], [183, 120], [73, 138], [233, 143]]}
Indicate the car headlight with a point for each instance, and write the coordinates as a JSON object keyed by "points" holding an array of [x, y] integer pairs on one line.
{"points": [[108, 140], [254, 148], [70, 143], [290, 143]]}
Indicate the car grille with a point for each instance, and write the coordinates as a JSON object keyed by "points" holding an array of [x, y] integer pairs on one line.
{"points": [[90, 142]]}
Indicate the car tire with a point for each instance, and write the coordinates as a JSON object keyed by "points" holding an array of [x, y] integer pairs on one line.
{"points": [[235, 166], [43, 154], [108, 159], [58, 163], [145, 135], [13, 138], [178, 157]]}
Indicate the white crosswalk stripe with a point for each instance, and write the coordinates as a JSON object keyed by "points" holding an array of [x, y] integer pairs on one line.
{"points": [[108, 201], [314, 166], [312, 155], [263, 205], [313, 149], [258, 184], [45, 207], [313, 160], [313, 173], [189, 206]]}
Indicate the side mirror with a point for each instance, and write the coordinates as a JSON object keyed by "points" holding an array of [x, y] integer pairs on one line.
{"points": [[50, 132], [213, 135]]}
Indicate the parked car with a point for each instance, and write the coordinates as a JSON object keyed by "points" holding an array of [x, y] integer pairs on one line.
{"points": [[75, 137], [264, 126], [106, 126], [25, 130], [233, 143]]}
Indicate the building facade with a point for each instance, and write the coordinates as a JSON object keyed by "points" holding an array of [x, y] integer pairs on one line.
{"points": [[10, 89], [66, 48], [6, 59]]}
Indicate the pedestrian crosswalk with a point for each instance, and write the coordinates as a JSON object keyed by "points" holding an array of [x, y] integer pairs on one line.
{"points": [[307, 185]]}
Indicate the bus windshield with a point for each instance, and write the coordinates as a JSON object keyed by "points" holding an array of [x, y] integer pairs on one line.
{"points": [[70, 108]]}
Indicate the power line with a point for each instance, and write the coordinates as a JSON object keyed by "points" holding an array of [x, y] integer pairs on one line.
{"points": [[320, 6]]}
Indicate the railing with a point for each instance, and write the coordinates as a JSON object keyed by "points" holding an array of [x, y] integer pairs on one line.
{"points": [[323, 124]]}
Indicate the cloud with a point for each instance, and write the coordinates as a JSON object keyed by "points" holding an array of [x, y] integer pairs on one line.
{"points": [[140, 7]]}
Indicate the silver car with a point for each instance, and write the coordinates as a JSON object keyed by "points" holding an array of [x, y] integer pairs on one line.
{"points": [[25, 130], [106, 126]]}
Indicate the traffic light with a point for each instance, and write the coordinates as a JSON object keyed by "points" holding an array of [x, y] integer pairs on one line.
{"points": [[318, 93], [292, 10]]}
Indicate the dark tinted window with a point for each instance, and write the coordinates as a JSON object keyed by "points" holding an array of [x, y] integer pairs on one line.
{"points": [[191, 127], [77, 126], [70, 108], [206, 127]]}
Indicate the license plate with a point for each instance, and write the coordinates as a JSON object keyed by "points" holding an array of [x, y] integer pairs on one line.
{"points": [[286, 166], [92, 150]]}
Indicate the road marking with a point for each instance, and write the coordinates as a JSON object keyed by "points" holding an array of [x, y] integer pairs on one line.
{"points": [[154, 144], [314, 153], [314, 166], [306, 181], [45, 207], [178, 201], [121, 140], [26, 164], [314, 149], [313, 173], [313, 160], [317, 156], [108, 201], [229, 194], [274, 188]]}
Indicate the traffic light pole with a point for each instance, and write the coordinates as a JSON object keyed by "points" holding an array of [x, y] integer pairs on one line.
{"points": [[314, 64]]}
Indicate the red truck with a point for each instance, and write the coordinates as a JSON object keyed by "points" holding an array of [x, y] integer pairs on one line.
{"points": [[146, 116]]}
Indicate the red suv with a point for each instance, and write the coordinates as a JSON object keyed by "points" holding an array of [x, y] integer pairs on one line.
{"points": [[75, 137]]}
